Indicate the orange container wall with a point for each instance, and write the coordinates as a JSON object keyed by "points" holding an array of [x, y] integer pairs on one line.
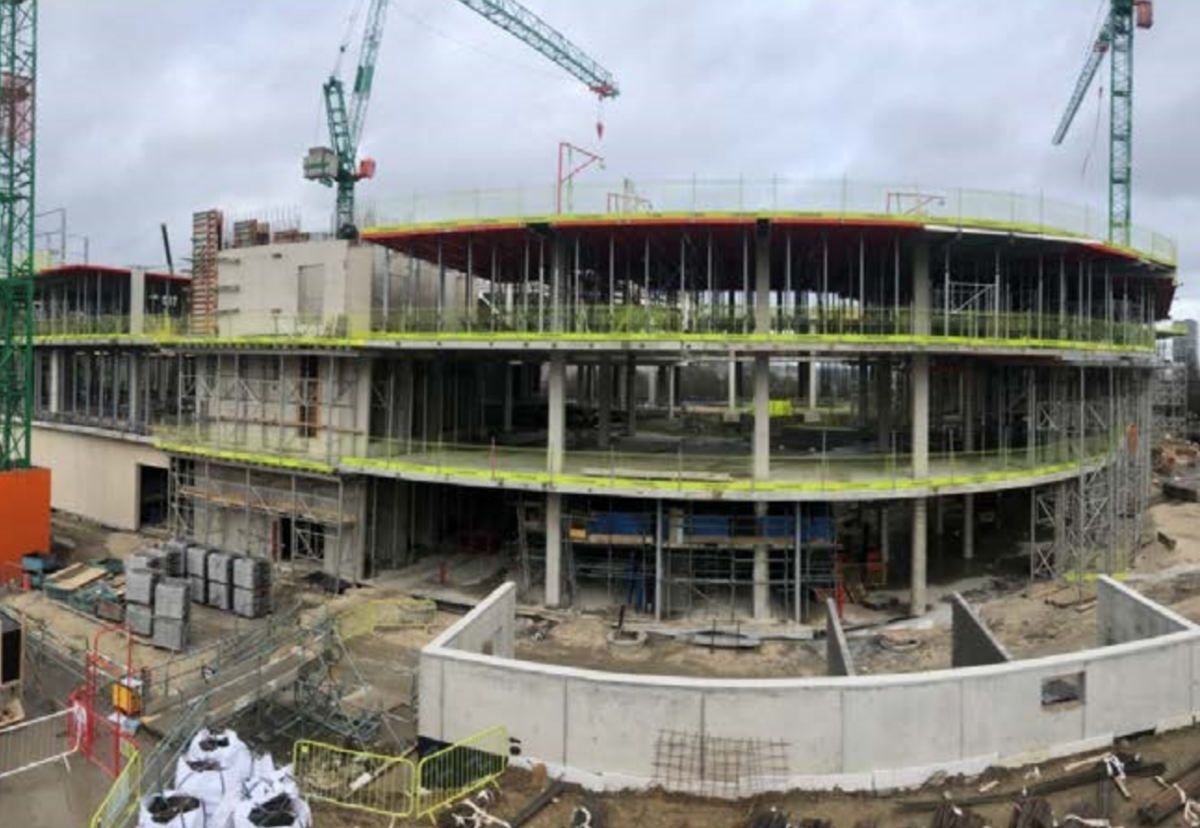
{"points": [[24, 516]]}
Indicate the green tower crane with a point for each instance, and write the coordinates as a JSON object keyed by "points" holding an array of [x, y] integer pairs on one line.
{"points": [[18, 71], [1115, 38], [337, 165]]}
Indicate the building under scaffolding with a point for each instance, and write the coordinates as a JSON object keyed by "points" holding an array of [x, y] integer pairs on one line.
{"points": [[767, 397]]}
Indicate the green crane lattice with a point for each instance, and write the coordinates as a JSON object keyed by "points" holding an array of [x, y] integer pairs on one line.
{"points": [[1115, 39], [346, 118], [18, 73]]}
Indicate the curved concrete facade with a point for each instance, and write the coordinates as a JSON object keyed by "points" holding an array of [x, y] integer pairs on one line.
{"points": [[857, 733]]}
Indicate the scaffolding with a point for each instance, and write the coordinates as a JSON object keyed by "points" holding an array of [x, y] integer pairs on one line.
{"points": [[300, 520], [679, 563], [1170, 401], [1092, 523], [273, 404]]}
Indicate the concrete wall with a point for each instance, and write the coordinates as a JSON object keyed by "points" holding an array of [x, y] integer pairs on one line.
{"points": [[93, 475], [838, 661], [1124, 615], [259, 288], [857, 733], [972, 643], [490, 628]]}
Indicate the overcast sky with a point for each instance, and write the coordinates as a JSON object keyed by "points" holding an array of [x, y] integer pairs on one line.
{"points": [[150, 110]]}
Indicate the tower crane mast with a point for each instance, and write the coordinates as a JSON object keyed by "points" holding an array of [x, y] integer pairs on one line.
{"points": [[337, 165], [1115, 40]]}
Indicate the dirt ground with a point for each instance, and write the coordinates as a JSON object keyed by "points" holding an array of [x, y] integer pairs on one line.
{"points": [[655, 809]]}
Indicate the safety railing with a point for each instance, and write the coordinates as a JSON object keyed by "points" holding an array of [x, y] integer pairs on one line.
{"points": [[121, 802], [360, 780], [831, 470], [684, 472], [37, 742], [815, 325], [462, 768], [899, 201]]}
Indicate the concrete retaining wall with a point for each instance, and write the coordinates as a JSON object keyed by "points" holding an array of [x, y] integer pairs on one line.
{"points": [[1123, 615], [972, 643], [838, 661], [856, 733]]}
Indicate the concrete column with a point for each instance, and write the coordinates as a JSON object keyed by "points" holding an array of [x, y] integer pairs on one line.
{"points": [[762, 573], [916, 607], [762, 278], [508, 398], [631, 396], [407, 397], [135, 388], [813, 385], [969, 401], [655, 384], [557, 414], [883, 405], [436, 406], [553, 549], [762, 418], [969, 526], [863, 418], [731, 409], [604, 427], [56, 381], [885, 536], [137, 300], [672, 390], [922, 292], [919, 389]]}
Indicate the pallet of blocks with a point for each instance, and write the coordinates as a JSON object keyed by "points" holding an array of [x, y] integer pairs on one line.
{"points": [[197, 572], [172, 613], [220, 581], [252, 587]]}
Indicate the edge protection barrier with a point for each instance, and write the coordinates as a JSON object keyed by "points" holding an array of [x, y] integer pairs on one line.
{"points": [[360, 780], [123, 796], [462, 768]]}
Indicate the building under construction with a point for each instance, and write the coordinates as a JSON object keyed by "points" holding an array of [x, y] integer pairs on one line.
{"points": [[731, 405]]}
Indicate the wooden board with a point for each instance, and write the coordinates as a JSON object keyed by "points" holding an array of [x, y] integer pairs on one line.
{"points": [[76, 577]]}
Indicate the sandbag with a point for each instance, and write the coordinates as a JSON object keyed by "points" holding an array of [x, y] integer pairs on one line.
{"points": [[171, 809], [280, 811], [223, 747], [208, 782]]}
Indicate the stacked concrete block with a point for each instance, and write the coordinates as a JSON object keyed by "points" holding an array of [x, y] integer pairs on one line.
{"points": [[252, 587], [171, 633], [172, 613], [151, 559], [139, 586], [197, 571], [171, 598], [140, 619], [220, 580], [174, 561]]}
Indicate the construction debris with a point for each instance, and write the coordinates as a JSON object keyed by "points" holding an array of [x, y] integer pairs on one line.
{"points": [[1116, 766], [1177, 794], [949, 815], [1033, 812]]}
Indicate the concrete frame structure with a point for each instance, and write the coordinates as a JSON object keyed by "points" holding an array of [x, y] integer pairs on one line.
{"points": [[338, 400], [856, 732]]}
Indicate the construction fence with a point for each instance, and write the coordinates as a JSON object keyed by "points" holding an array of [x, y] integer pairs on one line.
{"points": [[37, 742], [398, 786]]}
